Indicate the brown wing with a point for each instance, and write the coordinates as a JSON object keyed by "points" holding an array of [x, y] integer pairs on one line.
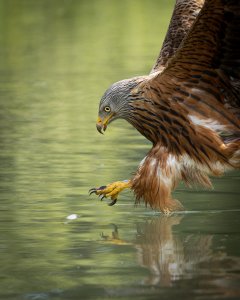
{"points": [[205, 71], [184, 14]]}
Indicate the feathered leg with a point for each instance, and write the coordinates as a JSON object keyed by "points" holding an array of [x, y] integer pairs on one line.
{"points": [[156, 178]]}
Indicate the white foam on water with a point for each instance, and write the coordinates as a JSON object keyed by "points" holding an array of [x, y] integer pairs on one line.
{"points": [[72, 217]]}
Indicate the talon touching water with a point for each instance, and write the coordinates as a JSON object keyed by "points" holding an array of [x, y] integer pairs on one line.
{"points": [[188, 106]]}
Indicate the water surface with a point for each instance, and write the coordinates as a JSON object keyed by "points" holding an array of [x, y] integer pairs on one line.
{"points": [[56, 59]]}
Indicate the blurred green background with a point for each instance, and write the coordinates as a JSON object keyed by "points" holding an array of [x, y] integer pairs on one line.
{"points": [[57, 57]]}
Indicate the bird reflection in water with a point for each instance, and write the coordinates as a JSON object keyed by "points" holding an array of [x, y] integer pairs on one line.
{"points": [[171, 255], [114, 238], [174, 255], [167, 255]]}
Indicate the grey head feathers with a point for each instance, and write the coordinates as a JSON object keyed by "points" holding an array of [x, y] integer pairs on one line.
{"points": [[117, 98]]}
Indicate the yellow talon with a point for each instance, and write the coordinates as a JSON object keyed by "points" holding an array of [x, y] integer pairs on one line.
{"points": [[112, 190], [115, 188]]}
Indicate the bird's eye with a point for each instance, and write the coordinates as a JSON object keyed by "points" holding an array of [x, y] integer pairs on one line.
{"points": [[107, 109]]}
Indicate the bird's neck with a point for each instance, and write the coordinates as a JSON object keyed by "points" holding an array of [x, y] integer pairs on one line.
{"points": [[143, 117]]}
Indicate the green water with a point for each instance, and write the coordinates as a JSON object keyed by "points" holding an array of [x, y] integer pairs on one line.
{"points": [[56, 59]]}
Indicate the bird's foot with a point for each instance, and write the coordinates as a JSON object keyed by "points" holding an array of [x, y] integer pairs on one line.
{"points": [[167, 211], [170, 206], [111, 190]]}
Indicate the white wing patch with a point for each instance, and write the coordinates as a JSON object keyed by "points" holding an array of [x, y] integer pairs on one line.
{"points": [[208, 123]]}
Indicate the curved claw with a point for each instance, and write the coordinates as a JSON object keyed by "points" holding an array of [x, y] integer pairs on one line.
{"points": [[94, 190], [91, 191], [113, 202], [102, 197]]}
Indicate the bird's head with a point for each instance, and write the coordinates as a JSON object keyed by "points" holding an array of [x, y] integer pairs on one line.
{"points": [[115, 102]]}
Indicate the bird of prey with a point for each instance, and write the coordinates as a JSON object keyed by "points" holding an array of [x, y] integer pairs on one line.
{"points": [[188, 106]]}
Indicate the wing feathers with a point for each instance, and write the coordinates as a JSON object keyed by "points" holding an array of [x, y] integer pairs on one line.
{"points": [[184, 14], [214, 39]]}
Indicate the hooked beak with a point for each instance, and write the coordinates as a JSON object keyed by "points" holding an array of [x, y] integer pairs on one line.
{"points": [[102, 124]]}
